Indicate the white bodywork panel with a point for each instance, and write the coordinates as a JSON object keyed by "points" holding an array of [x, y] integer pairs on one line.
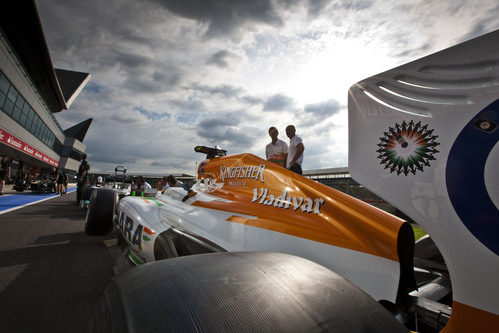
{"points": [[448, 92]]}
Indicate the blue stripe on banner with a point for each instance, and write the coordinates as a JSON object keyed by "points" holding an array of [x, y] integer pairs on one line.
{"points": [[466, 183], [16, 200]]}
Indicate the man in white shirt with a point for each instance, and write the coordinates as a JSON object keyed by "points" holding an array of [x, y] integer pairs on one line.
{"points": [[277, 150], [142, 184], [295, 151], [172, 182]]}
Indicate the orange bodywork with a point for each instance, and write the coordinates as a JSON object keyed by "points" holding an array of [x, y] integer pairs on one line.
{"points": [[280, 200], [466, 318]]}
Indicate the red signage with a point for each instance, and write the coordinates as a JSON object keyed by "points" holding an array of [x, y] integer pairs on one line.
{"points": [[19, 144]]}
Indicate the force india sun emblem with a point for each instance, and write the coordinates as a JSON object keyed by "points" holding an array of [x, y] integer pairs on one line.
{"points": [[407, 148]]}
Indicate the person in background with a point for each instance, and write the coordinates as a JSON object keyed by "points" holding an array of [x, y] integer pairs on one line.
{"points": [[64, 182], [83, 171], [295, 152], [54, 177], [172, 182], [60, 182], [142, 184], [277, 150], [21, 174], [163, 184], [134, 186], [4, 172]]}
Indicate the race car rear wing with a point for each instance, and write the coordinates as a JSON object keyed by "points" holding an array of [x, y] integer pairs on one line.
{"points": [[210, 152]]}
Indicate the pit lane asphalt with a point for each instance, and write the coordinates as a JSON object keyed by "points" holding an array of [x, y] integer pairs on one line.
{"points": [[51, 272]]}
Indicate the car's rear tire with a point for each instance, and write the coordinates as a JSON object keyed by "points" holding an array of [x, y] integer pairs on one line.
{"points": [[237, 292], [87, 192], [100, 213]]}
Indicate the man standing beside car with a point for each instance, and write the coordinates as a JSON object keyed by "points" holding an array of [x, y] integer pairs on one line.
{"points": [[82, 177], [295, 152]]}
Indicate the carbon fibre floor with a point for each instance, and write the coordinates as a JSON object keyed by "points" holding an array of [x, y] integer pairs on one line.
{"points": [[51, 272]]}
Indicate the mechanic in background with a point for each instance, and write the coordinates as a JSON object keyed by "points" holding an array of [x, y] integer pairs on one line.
{"points": [[60, 182], [64, 182], [21, 174], [172, 182], [142, 184], [277, 150], [163, 184], [4, 172], [82, 177], [133, 185], [295, 152], [54, 177]]}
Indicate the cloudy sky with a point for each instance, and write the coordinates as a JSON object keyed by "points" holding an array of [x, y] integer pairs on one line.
{"points": [[168, 75]]}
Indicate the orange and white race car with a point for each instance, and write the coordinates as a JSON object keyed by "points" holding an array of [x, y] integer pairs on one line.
{"points": [[260, 248]]}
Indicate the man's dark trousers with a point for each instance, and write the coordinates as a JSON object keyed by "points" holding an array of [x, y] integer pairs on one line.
{"points": [[296, 168], [79, 190]]}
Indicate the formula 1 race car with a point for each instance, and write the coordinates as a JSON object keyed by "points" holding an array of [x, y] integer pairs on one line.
{"points": [[21, 184], [42, 185], [260, 248], [119, 185]]}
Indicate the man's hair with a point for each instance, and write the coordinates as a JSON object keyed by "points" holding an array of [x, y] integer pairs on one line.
{"points": [[141, 178], [83, 157], [291, 127], [171, 179], [273, 128]]}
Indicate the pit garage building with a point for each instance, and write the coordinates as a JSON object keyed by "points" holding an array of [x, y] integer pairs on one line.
{"points": [[31, 92]]}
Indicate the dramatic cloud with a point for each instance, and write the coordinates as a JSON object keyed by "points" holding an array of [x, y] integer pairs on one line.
{"points": [[161, 164], [224, 16], [278, 102], [324, 109], [229, 131], [220, 58], [483, 24], [224, 90], [152, 115], [168, 75]]}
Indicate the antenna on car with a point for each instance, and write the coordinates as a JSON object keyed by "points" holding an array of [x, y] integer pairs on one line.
{"points": [[210, 152]]}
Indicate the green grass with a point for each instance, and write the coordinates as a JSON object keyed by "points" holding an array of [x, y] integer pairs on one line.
{"points": [[418, 232]]}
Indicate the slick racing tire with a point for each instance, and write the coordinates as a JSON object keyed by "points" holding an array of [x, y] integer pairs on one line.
{"points": [[269, 292], [87, 192], [100, 213]]}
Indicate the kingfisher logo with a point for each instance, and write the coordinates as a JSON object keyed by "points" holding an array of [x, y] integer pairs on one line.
{"points": [[243, 172]]}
